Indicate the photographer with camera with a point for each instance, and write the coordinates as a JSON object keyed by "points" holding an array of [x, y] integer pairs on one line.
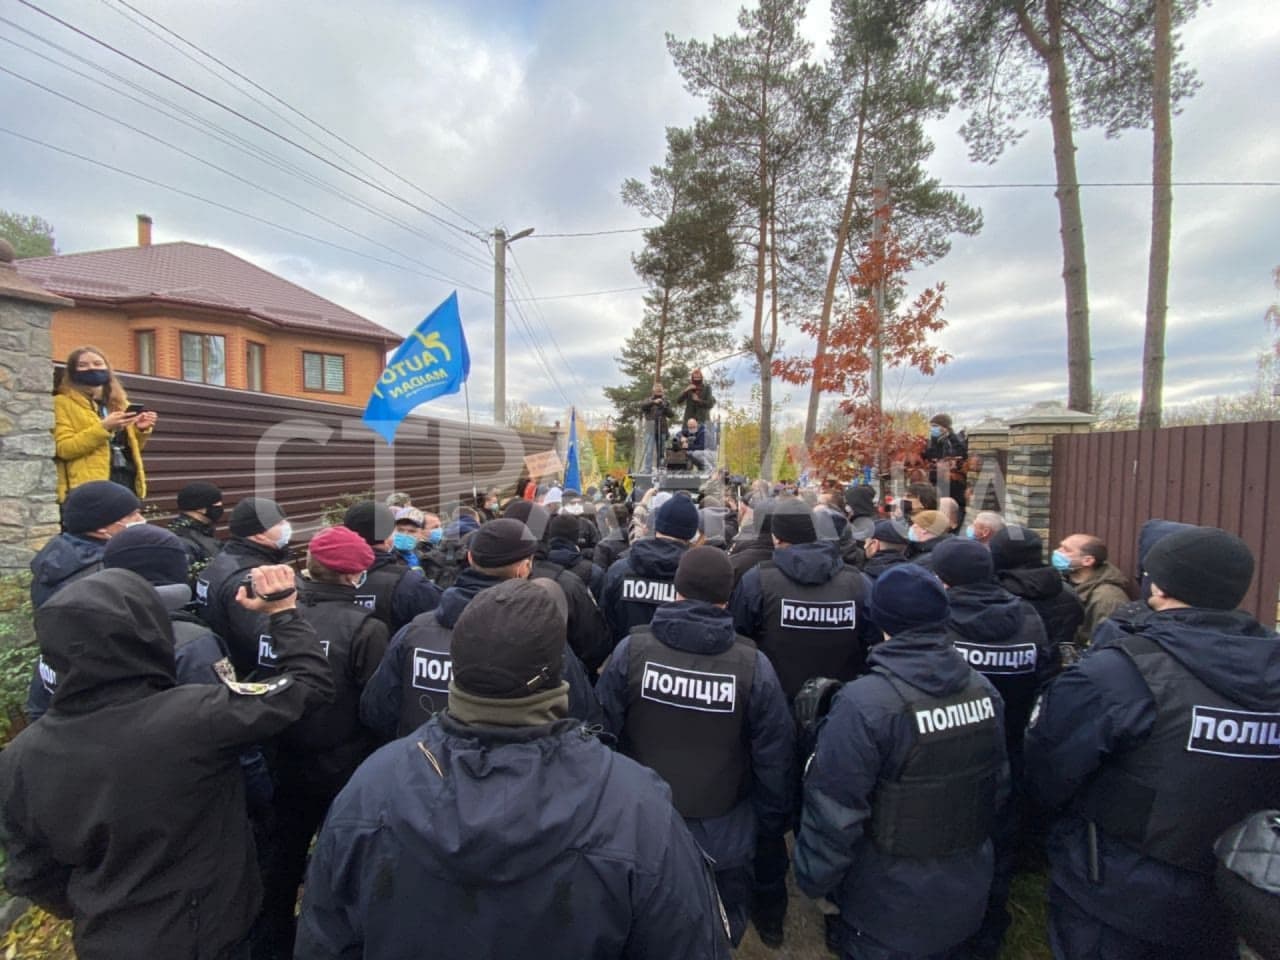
{"points": [[656, 412]]}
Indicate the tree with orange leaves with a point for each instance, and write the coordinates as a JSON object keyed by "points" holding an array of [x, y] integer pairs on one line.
{"points": [[846, 368]]}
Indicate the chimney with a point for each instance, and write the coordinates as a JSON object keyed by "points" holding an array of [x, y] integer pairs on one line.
{"points": [[144, 230]]}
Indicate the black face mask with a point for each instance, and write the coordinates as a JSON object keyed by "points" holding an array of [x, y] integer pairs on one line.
{"points": [[91, 378], [214, 512]]}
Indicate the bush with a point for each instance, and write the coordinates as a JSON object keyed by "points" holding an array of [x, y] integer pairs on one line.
{"points": [[17, 652]]}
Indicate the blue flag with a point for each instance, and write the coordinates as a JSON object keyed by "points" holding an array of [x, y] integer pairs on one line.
{"points": [[572, 479], [432, 362]]}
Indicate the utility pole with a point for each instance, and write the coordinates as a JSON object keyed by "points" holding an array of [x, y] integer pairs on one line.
{"points": [[500, 242], [879, 225]]}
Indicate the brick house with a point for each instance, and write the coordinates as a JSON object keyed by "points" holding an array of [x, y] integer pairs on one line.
{"points": [[196, 313]]}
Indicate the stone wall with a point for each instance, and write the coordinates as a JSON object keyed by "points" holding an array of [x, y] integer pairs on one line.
{"points": [[1029, 477], [28, 507]]}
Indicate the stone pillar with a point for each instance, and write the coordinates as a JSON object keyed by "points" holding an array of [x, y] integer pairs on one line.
{"points": [[988, 450], [28, 508], [1029, 478]]}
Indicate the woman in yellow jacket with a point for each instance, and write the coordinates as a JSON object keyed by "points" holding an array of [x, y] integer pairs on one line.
{"points": [[96, 435]]}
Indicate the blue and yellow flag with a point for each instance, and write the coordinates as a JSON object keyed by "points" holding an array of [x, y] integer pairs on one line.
{"points": [[432, 362]]}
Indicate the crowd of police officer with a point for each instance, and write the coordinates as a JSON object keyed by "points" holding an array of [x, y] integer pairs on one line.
{"points": [[595, 735]]}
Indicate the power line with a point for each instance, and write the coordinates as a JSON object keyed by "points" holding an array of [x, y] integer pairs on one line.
{"points": [[1113, 183], [213, 166], [537, 309], [222, 135], [257, 86], [585, 293], [247, 119], [230, 209], [588, 233]]}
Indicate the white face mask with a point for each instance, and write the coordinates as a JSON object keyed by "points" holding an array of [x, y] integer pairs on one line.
{"points": [[286, 531]]}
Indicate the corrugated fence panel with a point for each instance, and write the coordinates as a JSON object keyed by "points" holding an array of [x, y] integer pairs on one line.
{"points": [[1109, 484], [306, 454]]}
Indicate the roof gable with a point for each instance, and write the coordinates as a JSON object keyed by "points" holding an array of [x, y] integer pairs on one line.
{"points": [[198, 276]]}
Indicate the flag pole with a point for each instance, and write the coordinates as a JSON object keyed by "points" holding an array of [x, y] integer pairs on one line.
{"points": [[471, 451]]}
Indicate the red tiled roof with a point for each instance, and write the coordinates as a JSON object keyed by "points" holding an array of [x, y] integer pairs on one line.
{"points": [[198, 276]]}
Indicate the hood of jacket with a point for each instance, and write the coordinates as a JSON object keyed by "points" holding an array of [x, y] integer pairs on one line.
{"points": [[312, 593], [64, 556], [1227, 650], [882, 561], [810, 563], [563, 551], [985, 612], [657, 557], [694, 626], [925, 658], [454, 600], [109, 638], [1031, 583], [503, 793], [238, 546]]}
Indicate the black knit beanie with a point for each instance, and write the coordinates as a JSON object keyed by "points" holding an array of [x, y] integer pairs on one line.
{"points": [[705, 573], [1202, 567]]}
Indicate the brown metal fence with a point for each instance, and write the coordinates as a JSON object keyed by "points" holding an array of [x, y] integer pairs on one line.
{"points": [[306, 454], [1225, 475]]}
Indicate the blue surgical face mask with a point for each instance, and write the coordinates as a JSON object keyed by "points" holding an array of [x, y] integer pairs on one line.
{"points": [[91, 378], [404, 542], [1061, 562], [286, 531], [935, 431], [364, 575], [968, 531], [436, 535], [911, 535]]}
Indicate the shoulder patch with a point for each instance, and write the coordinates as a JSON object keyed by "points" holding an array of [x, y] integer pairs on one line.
{"points": [[264, 689]]}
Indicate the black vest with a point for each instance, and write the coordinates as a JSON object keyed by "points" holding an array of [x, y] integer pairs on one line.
{"points": [[1206, 764], [330, 734], [813, 630], [641, 597], [425, 672], [379, 587], [215, 591], [942, 801], [1012, 666], [687, 719]]}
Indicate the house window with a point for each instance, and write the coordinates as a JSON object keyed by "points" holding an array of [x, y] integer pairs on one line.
{"points": [[204, 358], [144, 348], [326, 372], [254, 356]]}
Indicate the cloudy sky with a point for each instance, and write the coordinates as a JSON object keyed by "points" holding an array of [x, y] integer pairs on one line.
{"points": [[531, 114]]}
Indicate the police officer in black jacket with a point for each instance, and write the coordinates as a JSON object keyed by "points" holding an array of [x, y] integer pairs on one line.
{"points": [[806, 610], [1164, 734], [394, 591], [563, 548], [702, 706], [199, 510], [315, 757], [411, 684], [123, 809], [644, 578], [260, 534], [1003, 638], [588, 632], [888, 547], [902, 791]]}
